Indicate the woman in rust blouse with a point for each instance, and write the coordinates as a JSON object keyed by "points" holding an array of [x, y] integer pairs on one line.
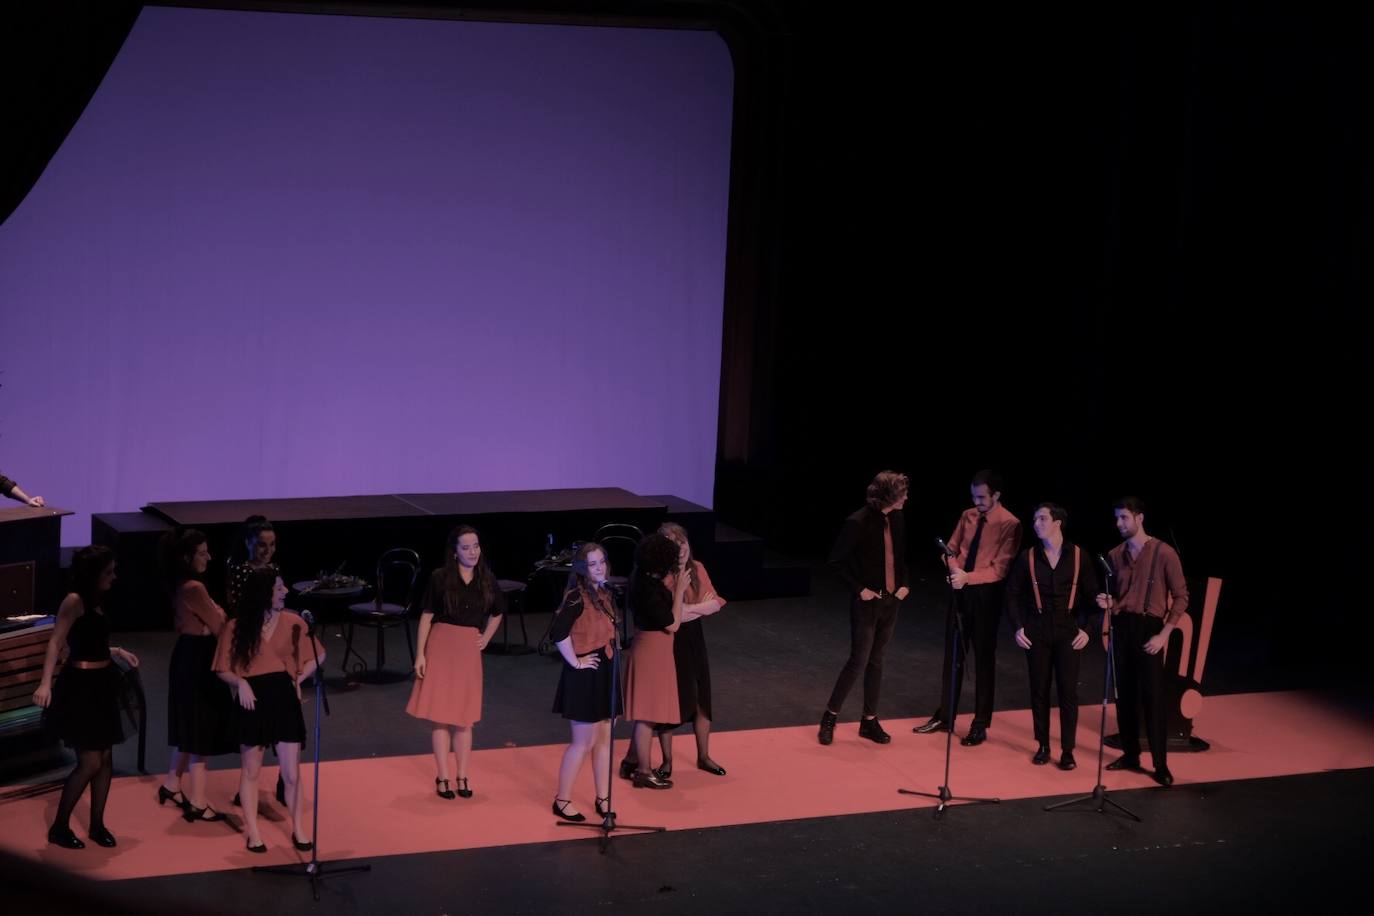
{"points": [[263, 654], [584, 631], [199, 707]]}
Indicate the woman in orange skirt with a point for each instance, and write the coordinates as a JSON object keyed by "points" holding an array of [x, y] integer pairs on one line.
{"points": [[459, 615], [689, 656], [656, 589]]}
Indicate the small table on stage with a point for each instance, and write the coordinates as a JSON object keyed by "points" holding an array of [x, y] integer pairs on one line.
{"points": [[336, 598]]}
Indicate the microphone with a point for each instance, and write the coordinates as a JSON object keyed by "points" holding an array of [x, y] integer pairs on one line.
{"points": [[309, 619], [944, 548], [1106, 567]]}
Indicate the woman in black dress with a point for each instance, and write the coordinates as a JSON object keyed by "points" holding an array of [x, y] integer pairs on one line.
{"points": [[689, 656], [83, 708], [199, 706]]}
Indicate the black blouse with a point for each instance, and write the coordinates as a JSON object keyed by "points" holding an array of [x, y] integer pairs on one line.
{"points": [[453, 601], [651, 604]]}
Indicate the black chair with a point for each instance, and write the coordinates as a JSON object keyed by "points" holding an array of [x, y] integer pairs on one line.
{"points": [[515, 605], [619, 541], [394, 595]]}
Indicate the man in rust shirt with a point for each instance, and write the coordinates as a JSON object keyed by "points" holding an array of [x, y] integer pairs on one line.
{"points": [[1149, 598], [984, 543]]}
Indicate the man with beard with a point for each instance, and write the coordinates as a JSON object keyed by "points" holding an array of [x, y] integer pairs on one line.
{"points": [[1151, 597]]}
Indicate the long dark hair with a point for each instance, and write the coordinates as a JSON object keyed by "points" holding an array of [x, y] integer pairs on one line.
{"points": [[254, 603], [177, 548], [486, 580], [88, 564], [578, 581]]}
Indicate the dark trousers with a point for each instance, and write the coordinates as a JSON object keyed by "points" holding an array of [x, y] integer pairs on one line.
{"points": [[980, 609], [1053, 657], [1139, 683], [870, 628]]}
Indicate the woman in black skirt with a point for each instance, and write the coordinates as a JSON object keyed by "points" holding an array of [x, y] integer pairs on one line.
{"points": [[264, 653], [84, 706], [689, 655], [584, 631], [199, 706]]}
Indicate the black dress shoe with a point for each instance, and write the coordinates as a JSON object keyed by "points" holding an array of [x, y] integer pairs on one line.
{"points": [[1125, 763], [827, 732], [643, 780], [665, 771], [1066, 761], [935, 724], [560, 811], [302, 845], [260, 848], [102, 836], [977, 734], [463, 790], [711, 767], [191, 814], [628, 767], [1163, 777], [63, 836], [442, 790], [1042, 755], [164, 796], [604, 810], [870, 729]]}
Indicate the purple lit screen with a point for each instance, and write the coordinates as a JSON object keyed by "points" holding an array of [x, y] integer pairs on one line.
{"points": [[287, 255]]}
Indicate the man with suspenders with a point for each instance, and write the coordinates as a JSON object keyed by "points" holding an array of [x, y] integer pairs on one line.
{"points": [[1051, 592], [1149, 599]]}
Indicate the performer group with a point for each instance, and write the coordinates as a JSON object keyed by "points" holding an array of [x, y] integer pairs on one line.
{"points": [[234, 682]]}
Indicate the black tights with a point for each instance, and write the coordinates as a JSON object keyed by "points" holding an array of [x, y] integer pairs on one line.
{"points": [[93, 768]]}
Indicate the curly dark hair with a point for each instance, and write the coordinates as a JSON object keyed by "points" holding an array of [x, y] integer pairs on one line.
{"points": [[656, 556], [886, 488]]}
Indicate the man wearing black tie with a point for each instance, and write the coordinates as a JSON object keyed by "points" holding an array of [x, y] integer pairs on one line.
{"points": [[870, 557], [983, 545]]}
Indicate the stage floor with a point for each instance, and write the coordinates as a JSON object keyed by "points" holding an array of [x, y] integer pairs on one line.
{"points": [[1283, 794]]}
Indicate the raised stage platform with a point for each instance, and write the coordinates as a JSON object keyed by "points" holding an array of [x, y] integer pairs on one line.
{"points": [[331, 532]]}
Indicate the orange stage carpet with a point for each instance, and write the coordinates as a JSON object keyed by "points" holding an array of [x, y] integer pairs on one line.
{"points": [[387, 806]]}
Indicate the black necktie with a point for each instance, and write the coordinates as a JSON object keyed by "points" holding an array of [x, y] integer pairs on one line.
{"points": [[973, 544]]}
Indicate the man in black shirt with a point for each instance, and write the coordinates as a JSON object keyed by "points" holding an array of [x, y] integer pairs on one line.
{"points": [[870, 558], [1051, 593]]}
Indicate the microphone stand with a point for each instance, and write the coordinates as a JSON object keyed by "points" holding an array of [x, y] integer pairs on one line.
{"points": [[1099, 792], [944, 794], [315, 870], [608, 823]]}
